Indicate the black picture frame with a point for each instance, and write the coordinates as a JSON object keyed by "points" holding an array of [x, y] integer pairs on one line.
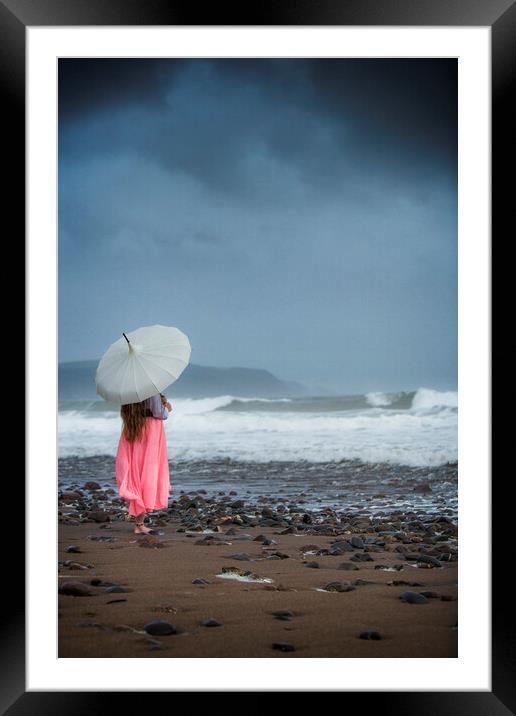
{"points": [[500, 16]]}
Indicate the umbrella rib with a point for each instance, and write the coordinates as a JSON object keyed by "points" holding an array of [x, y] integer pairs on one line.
{"points": [[163, 355], [111, 368], [147, 374], [122, 382], [134, 378], [168, 371], [168, 350], [170, 340]]}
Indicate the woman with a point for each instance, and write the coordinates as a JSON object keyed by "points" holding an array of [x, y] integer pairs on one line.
{"points": [[142, 473]]}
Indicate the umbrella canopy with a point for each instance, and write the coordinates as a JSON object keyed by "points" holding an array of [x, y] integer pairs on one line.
{"points": [[142, 363]]}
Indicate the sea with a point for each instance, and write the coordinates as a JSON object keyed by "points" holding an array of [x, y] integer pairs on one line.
{"points": [[325, 450]]}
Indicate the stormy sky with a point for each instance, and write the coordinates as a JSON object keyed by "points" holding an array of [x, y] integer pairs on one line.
{"points": [[293, 215]]}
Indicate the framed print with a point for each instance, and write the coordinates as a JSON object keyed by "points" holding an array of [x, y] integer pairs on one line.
{"points": [[258, 299]]}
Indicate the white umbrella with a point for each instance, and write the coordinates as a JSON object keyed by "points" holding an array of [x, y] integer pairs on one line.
{"points": [[142, 363]]}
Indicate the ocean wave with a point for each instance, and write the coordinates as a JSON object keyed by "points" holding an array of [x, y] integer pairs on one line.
{"points": [[426, 398], [379, 400], [417, 400], [414, 428], [198, 430]]}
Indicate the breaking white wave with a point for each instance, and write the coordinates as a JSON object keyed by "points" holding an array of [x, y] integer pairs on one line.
{"points": [[378, 400], [317, 430], [426, 398]]}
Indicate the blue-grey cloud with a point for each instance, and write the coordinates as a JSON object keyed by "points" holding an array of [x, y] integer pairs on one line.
{"points": [[288, 214]]}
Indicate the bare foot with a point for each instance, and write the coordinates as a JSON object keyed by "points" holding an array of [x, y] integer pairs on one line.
{"points": [[142, 530]]}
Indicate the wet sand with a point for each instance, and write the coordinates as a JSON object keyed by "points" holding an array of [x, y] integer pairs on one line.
{"points": [[158, 574]]}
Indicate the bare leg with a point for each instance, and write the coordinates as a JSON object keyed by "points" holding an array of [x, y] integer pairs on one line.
{"points": [[140, 528]]}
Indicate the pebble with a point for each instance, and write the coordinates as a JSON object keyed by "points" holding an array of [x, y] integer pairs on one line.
{"points": [[70, 496], [356, 542], [427, 559], [209, 540], [341, 547], [75, 589], [211, 623], [91, 486], [389, 567], [339, 587], [283, 646], [70, 564], [361, 557], [282, 615], [374, 635], [312, 565], [160, 628], [447, 557], [413, 598], [200, 580], [278, 555], [347, 566]]}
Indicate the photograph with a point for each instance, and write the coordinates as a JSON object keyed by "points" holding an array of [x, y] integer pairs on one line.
{"points": [[257, 357], [259, 296]]}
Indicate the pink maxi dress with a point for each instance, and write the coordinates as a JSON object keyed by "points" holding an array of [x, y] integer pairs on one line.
{"points": [[142, 472]]}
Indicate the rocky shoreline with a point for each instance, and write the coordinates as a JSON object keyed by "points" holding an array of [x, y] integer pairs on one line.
{"points": [[349, 484], [195, 573]]}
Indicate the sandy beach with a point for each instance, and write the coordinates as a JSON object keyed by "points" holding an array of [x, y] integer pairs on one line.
{"points": [[340, 583]]}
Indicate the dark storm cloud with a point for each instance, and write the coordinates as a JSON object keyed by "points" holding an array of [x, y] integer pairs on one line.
{"points": [[218, 119], [86, 85], [413, 101], [293, 215], [423, 92]]}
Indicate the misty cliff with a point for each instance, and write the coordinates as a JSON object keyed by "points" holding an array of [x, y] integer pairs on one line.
{"points": [[77, 382]]}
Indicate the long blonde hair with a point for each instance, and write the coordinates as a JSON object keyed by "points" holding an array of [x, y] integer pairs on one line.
{"points": [[133, 419]]}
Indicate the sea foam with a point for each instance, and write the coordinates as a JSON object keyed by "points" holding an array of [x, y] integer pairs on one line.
{"points": [[371, 428]]}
